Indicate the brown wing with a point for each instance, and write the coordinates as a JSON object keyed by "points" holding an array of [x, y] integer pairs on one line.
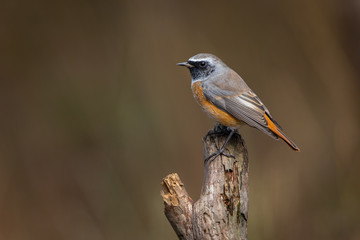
{"points": [[245, 106]]}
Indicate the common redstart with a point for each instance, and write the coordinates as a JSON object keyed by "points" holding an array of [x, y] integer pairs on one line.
{"points": [[226, 98]]}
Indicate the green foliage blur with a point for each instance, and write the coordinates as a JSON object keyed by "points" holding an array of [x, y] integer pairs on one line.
{"points": [[94, 113]]}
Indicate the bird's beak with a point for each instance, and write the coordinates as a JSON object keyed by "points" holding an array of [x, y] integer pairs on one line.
{"points": [[185, 64]]}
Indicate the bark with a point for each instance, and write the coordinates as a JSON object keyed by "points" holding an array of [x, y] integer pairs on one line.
{"points": [[222, 209], [178, 206]]}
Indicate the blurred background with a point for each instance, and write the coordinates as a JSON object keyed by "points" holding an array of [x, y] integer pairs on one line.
{"points": [[94, 113]]}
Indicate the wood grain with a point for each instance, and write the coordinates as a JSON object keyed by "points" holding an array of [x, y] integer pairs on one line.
{"points": [[222, 209]]}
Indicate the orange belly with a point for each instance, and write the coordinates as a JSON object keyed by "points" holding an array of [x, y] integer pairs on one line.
{"points": [[214, 112]]}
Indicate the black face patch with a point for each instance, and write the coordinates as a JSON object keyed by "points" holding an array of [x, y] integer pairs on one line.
{"points": [[201, 69]]}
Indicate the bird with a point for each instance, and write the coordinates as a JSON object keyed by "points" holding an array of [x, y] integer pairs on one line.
{"points": [[227, 99]]}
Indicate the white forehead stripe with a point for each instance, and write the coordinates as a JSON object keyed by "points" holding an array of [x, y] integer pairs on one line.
{"points": [[200, 59], [207, 59]]}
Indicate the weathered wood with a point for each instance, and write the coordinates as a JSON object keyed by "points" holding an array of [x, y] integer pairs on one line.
{"points": [[178, 206], [222, 209]]}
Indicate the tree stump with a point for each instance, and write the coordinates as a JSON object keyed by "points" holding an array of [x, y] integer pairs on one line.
{"points": [[222, 209]]}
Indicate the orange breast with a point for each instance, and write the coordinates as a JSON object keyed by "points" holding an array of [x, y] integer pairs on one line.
{"points": [[214, 112]]}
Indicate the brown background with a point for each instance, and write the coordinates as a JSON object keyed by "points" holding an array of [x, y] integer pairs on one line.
{"points": [[94, 113]]}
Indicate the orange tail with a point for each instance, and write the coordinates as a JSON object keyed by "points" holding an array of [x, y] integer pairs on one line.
{"points": [[272, 126]]}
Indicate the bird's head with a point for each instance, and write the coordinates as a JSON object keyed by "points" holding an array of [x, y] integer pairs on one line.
{"points": [[203, 65]]}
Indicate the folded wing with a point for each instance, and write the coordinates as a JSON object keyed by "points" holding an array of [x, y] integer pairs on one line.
{"points": [[245, 106]]}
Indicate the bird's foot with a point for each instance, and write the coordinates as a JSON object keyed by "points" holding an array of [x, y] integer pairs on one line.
{"points": [[223, 130], [214, 155], [219, 130]]}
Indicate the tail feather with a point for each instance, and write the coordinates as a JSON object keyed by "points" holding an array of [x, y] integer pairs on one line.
{"points": [[277, 130]]}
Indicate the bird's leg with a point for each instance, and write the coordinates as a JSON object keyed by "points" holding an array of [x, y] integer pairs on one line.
{"points": [[221, 150], [218, 130]]}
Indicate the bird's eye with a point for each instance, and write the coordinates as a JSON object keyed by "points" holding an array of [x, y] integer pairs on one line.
{"points": [[202, 64]]}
